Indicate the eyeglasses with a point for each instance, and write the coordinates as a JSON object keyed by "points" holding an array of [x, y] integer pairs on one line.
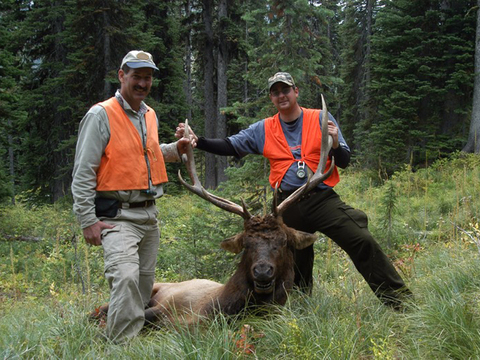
{"points": [[284, 91]]}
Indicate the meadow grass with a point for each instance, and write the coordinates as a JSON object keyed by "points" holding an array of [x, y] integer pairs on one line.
{"points": [[48, 287], [341, 320]]}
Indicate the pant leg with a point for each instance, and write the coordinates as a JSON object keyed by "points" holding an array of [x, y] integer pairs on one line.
{"points": [[130, 251], [303, 258], [125, 316], [147, 252], [348, 227]]}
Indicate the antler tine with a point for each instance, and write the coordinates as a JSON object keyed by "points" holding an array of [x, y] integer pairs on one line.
{"points": [[319, 176], [197, 187], [327, 141]]}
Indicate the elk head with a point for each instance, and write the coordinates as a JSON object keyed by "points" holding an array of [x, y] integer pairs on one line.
{"points": [[266, 241]]}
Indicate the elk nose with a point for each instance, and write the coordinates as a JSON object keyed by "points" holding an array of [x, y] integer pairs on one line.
{"points": [[262, 271]]}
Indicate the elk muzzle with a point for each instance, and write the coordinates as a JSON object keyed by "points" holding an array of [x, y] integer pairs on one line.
{"points": [[263, 277]]}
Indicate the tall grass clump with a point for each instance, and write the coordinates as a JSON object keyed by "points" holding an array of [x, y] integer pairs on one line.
{"points": [[389, 209]]}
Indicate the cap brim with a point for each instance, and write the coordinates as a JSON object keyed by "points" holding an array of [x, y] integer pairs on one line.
{"points": [[137, 65], [280, 81]]}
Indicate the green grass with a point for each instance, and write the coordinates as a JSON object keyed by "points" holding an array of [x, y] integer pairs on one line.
{"points": [[341, 320], [48, 287]]}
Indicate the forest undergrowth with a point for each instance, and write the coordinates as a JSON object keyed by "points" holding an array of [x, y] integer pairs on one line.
{"points": [[427, 221]]}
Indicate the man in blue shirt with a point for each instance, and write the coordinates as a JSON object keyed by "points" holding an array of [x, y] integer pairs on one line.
{"points": [[321, 209]]}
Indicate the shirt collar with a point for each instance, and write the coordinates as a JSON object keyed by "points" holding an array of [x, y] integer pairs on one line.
{"points": [[126, 106]]}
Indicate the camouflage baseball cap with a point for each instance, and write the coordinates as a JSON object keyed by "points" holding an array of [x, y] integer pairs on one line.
{"points": [[138, 59], [282, 77]]}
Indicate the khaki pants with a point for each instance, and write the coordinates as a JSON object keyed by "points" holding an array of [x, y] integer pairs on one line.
{"points": [[130, 254]]}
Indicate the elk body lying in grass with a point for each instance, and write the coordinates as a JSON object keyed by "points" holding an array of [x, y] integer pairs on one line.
{"points": [[265, 273]]}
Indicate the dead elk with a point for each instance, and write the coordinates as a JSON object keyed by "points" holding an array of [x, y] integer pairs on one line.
{"points": [[265, 272]]}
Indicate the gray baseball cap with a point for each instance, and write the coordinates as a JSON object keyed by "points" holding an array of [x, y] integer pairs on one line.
{"points": [[282, 77], [138, 59]]}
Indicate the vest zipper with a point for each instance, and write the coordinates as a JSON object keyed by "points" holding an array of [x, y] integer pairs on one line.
{"points": [[145, 153]]}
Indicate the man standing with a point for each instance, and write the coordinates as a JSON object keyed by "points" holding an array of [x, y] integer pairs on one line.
{"points": [[290, 140], [118, 173]]}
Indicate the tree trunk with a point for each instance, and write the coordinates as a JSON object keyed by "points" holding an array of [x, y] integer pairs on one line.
{"points": [[245, 82], [473, 143], [61, 178], [11, 159], [368, 51], [221, 163], [107, 87], [188, 64], [210, 108]]}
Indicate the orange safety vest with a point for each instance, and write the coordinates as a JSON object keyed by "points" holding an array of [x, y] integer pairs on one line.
{"points": [[277, 151], [123, 165]]}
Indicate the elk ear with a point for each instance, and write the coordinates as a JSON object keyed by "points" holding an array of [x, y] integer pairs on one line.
{"points": [[233, 244], [302, 239]]}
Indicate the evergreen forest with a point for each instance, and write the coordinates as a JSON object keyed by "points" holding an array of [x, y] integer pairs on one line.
{"points": [[397, 75], [402, 79]]}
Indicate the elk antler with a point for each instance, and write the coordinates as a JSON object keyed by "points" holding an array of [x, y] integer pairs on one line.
{"points": [[319, 176], [198, 189]]}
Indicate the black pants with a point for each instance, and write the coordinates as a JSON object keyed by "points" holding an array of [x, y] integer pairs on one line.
{"points": [[324, 211]]}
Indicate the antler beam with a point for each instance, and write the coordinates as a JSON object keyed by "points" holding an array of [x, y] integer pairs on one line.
{"points": [[199, 190]]}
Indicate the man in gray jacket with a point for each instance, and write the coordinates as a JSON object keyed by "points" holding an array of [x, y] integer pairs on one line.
{"points": [[119, 171]]}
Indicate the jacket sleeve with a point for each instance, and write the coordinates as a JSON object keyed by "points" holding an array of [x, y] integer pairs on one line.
{"points": [[170, 152], [342, 157], [93, 136], [217, 146]]}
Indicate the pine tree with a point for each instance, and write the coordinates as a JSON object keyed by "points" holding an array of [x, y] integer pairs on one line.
{"points": [[10, 94], [293, 37], [421, 73], [41, 133], [358, 17]]}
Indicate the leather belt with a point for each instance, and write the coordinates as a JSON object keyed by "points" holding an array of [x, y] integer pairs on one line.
{"points": [[141, 204]]}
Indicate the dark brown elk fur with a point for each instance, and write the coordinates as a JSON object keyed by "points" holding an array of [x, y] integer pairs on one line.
{"points": [[265, 273]]}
